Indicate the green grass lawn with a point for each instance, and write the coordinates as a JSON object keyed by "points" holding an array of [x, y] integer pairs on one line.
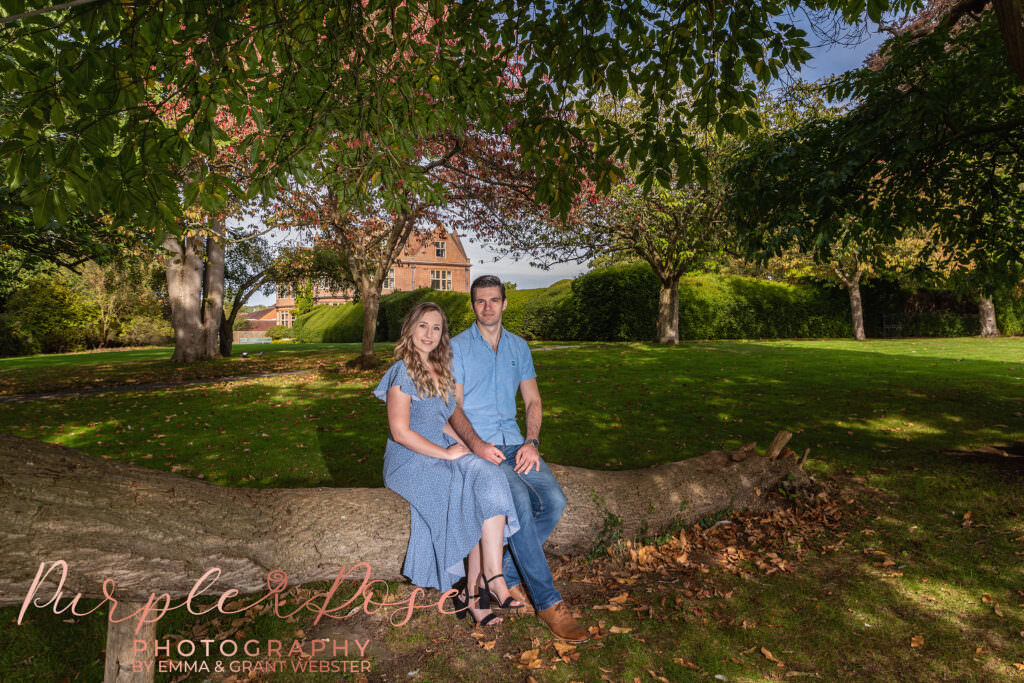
{"points": [[884, 412], [58, 372]]}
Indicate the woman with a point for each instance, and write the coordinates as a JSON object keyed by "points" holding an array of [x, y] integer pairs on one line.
{"points": [[460, 504]]}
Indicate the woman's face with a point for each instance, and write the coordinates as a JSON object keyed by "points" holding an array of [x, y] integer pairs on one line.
{"points": [[426, 333]]}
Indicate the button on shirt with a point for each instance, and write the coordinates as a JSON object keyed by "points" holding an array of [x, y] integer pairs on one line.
{"points": [[490, 381]]}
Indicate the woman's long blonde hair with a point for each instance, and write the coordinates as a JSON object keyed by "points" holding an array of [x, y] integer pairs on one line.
{"points": [[440, 357]]}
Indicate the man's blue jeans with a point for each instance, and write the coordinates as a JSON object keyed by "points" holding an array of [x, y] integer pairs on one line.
{"points": [[539, 503]]}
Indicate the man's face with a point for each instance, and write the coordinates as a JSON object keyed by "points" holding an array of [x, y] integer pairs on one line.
{"points": [[488, 305]]}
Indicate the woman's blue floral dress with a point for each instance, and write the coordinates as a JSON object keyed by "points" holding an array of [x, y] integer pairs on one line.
{"points": [[449, 500]]}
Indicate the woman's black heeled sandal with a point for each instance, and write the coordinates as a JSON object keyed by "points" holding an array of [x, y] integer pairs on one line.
{"points": [[508, 603], [483, 602]]}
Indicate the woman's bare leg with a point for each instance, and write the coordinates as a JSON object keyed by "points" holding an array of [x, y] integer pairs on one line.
{"points": [[473, 569], [492, 540]]}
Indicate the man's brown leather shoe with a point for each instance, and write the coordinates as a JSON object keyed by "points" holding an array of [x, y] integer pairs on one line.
{"points": [[519, 594], [560, 621]]}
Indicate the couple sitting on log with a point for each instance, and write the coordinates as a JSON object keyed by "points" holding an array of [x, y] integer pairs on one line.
{"points": [[457, 455]]}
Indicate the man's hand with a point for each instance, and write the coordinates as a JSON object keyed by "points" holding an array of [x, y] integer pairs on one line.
{"points": [[527, 457], [488, 451]]}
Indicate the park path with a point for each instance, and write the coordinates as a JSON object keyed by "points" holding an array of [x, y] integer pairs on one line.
{"points": [[150, 386]]}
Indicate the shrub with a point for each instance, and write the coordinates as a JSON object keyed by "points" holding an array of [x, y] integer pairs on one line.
{"points": [[145, 330], [342, 323], [941, 324], [280, 332], [616, 303], [548, 313], [1010, 310], [733, 307], [394, 307], [46, 316]]}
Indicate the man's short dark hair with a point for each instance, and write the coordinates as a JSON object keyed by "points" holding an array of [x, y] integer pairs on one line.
{"points": [[486, 281]]}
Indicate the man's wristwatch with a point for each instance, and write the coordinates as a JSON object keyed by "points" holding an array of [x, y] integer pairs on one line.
{"points": [[535, 442]]}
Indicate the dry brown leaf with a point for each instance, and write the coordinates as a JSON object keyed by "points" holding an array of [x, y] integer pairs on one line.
{"points": [[688, 664], [769, 656], [917, 641], [1019, 665], [657, 677], [528, 656], [563, 648], [489, 645], [620, 629], [620, 598], [986, 598], [998, 611]]}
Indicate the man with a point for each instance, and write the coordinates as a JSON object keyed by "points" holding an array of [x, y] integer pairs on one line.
{"points": [[490, 365]]}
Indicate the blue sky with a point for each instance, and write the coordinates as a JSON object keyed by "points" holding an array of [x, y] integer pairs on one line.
{"points": [[827, 60]]}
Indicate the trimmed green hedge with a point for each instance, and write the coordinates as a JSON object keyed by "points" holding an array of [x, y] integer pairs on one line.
{"points": [[330, 324], [620, 303], [548, 313], [733, 307], [394, 307]]}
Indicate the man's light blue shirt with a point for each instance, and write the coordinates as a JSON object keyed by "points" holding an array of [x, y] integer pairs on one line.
{"points": [[490, 381]]}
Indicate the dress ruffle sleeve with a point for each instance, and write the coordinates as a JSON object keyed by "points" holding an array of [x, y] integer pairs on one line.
{"points": [[396, 376]]}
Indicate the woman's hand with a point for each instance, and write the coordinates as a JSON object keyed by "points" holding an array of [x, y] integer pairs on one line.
{"points": [[457, 450]]}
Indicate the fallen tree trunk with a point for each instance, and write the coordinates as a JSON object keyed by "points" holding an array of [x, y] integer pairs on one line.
{"points": [[153, 531]]}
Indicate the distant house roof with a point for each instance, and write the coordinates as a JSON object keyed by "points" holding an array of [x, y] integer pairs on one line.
{"points": [[261, 325], [256, 315]]}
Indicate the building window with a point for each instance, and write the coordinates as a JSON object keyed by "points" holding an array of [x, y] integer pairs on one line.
{"points": [[441, 279], [389, 281], [284, 318], [439, 248]]}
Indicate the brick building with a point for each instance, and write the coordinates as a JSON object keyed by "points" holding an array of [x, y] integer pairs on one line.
{"points": [[438, 261]]}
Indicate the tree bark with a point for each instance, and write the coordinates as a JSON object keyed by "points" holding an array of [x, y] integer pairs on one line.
{"points": [[369, 293], [121, 655], [227, 335], [184, 290], [852, 284], [668, 310], [156, 531], [1010, 15], [987, 317], [856, 308], [195, 288], [213, 290]]}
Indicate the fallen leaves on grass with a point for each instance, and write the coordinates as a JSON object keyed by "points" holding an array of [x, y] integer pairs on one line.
{"points": [[917, 641], [769, 656]]}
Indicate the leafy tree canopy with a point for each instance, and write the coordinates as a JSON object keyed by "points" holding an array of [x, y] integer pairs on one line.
{"points": [[86, 89], [931, 145]]}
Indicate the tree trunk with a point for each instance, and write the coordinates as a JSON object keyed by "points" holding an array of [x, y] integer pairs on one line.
{"points": [[213, 290], [196, 291], [124, 664], [184, 291], [157, 531], [154, 532], [668, 310], [856, 307], [369, 292], [1010, 14], [987, 317], [227, 333]]}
